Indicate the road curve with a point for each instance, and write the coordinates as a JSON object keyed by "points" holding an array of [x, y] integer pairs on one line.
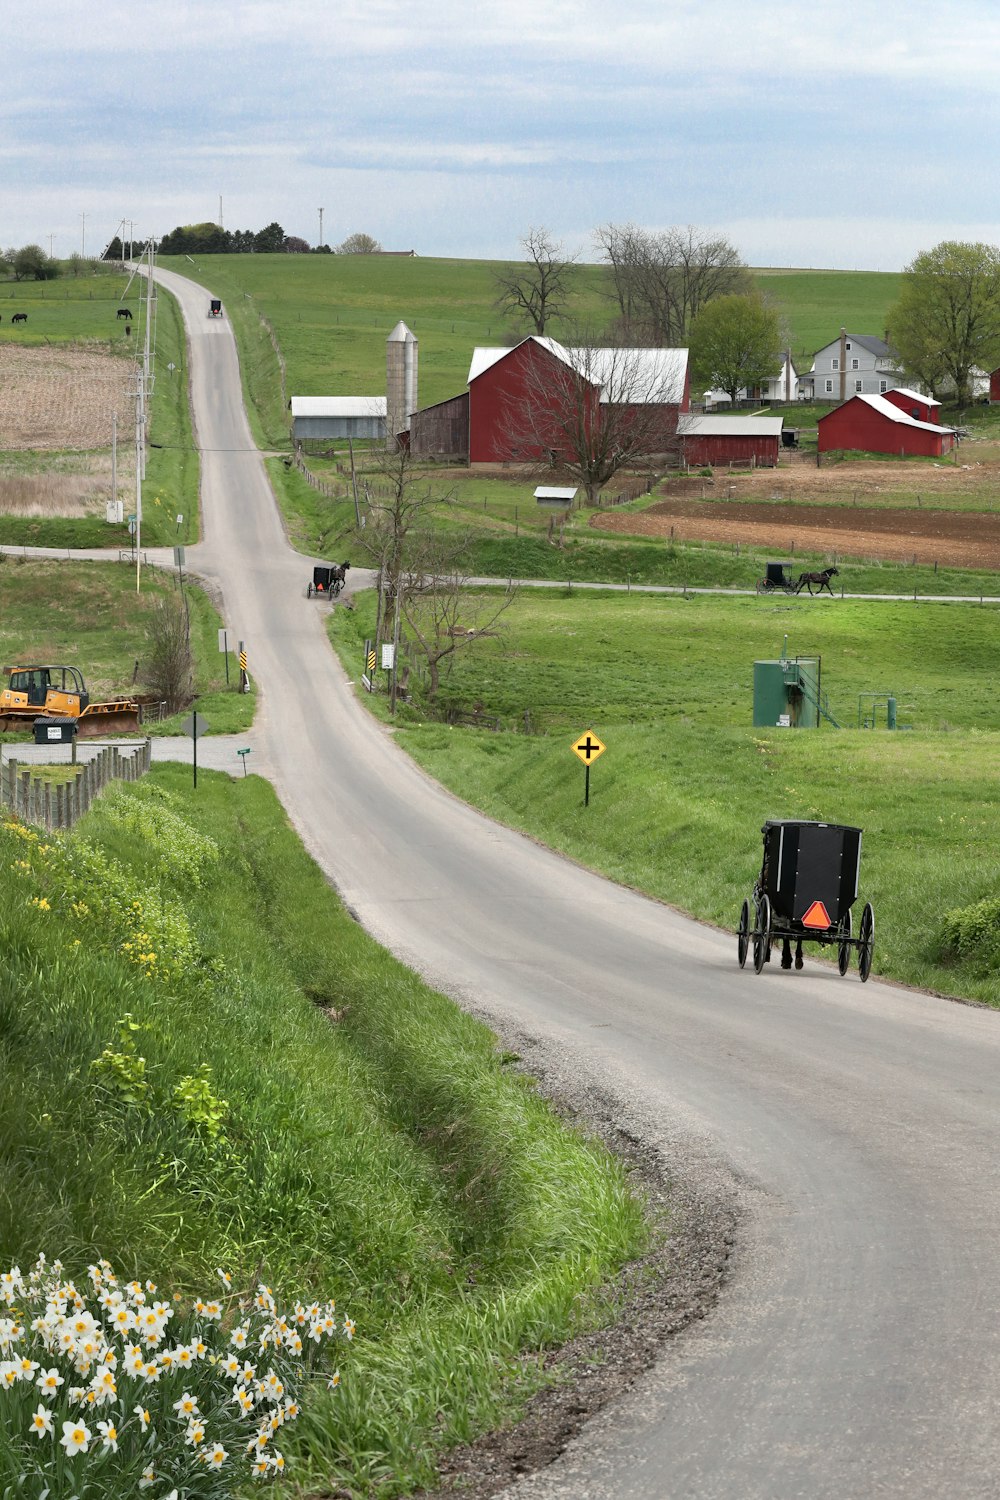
{"points": [[856, 1351]]}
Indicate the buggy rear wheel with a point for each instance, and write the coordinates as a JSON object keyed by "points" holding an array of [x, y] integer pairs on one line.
{"points": [[743, 932], [866, 941], [309, 590], [762, 935], [844, 945]]}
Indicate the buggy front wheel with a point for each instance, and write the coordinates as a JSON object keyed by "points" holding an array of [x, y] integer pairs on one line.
{"points": [[762, 935], [844, 944], [743, 932], [866, 941]]}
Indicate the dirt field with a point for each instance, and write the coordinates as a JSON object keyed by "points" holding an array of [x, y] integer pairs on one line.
{"points": [[62, 398], [843, 527]]}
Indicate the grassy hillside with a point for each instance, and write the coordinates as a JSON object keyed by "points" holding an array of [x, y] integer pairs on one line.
{"points": [[332, 314], [678, 800], [69, 309], [207, 1063]]}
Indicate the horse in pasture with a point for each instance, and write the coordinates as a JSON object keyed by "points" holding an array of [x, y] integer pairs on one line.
{"points": [[124, 312], [806, 580], [19, 318]]}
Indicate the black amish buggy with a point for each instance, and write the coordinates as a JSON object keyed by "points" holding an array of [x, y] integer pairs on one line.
{"points": [[805, 890], [776, 580], [328, 579], [215, 308]]}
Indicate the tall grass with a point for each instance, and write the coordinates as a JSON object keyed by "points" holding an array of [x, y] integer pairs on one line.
{"points": [[372, 1142]]}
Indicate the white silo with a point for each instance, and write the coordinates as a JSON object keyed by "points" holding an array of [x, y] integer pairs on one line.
{"points": [[400, 378]]}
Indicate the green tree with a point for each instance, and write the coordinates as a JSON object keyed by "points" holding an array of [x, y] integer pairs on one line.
{"points": [[270, 240], [735, 343], [947, 318], [32, 264]]}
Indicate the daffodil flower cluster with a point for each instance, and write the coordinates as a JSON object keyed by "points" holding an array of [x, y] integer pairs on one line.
{"points": [[113, 1387]]}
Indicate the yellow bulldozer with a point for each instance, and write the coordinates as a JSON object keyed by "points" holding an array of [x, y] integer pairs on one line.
{"points": [[58, 692]]}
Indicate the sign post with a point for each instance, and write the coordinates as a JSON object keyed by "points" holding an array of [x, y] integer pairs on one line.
{"points": [[244, 678], [243, 755], [196, 725], [587, 748], [224, 648]]}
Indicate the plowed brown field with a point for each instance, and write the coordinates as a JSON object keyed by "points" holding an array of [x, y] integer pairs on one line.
{"points": [[62, 397], [880, 531]]}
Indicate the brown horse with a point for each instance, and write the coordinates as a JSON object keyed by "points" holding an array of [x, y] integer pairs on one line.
{"points": [[806, 580]]}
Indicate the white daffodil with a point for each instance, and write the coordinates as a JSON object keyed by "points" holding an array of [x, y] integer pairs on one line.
{"points": [[41, 1421], [186, 1406], [75, 1438], [109, 1433]]}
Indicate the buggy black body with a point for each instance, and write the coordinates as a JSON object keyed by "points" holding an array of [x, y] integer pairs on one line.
{"points": [[215, 308], [776, 580], [807, 885]]}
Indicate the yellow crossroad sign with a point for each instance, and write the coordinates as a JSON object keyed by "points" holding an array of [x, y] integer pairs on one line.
{"points": [[588, 747]]}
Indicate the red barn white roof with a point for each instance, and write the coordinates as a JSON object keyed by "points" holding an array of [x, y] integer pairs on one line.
{"points": [[638, 376], [893, 413]]}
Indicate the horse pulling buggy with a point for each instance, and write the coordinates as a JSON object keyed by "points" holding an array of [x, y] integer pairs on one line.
{"points": [[328, 579], [804, 893]]}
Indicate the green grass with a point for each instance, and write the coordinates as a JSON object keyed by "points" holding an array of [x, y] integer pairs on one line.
{"points": [[817, 304], [72, 309], [376, 1145], [678, 800], [89, 615]]}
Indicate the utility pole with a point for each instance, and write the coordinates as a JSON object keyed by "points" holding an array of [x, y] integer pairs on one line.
{"points": [[321, 229], [51, 238], [83, 236], [220, 210]]}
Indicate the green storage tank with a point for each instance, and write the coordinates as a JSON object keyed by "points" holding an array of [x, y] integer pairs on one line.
{"points": [[786, 693]]}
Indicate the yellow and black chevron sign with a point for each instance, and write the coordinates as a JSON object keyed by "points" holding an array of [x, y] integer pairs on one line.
{"points": [[243, 661], [370, 660]]}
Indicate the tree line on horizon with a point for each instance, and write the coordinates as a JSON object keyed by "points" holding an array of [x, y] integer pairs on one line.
{"points": [[213, 239]]}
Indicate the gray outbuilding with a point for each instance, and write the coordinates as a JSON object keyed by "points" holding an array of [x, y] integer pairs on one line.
{"points": [[338, 417]]}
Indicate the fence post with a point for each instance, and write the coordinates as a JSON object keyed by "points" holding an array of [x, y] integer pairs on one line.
{"points": [[46, 808]]}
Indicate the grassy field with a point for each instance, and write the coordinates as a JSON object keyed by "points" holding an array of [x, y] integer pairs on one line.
{"points": [[88, 615], [678, 800], [71, 309], [250, 1082], [332, 314]]}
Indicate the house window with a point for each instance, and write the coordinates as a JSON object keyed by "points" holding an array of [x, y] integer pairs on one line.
{"points": [[829, 387], [835, 364], [857, 386], [848, 344], [883, 386], [855, 365]]}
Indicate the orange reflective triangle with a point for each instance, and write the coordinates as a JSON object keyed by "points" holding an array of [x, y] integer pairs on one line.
{"points": [[816, 916]]}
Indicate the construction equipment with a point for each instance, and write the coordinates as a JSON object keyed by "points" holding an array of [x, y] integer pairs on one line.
{"points": [[58, 692]]}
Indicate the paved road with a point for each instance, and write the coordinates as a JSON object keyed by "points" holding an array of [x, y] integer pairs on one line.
{"points": [[856, 1352]]}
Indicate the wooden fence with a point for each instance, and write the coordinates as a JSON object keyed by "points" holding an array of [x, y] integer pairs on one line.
{"points": [[59, 805]]}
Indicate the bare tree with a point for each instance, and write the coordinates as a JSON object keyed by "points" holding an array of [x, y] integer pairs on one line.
{"points": [[589, 411], [422, 580], [537, 290], [169, 667], [661, 281]]}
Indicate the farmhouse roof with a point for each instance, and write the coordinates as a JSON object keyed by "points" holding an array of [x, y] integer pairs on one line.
{"points": [[696, 425], [625, 375], [338, 406], [892, 412]]}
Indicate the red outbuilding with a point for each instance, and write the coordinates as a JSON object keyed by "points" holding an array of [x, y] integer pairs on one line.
{"points": [[922, 408], [753, 441], [874, 424]]}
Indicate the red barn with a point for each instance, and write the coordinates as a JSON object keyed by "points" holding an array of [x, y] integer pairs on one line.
{"points": [[923, 408], [753, 441], [873, 424], [531, 402]]}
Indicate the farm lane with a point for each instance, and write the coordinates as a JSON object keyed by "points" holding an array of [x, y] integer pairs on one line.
{"points": [[856, 1351]]}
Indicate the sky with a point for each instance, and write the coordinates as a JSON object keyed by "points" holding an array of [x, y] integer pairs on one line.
{"points": [[843, 135]]}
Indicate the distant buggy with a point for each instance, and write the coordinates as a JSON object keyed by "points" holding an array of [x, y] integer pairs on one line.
{"points": [[804, 893]]}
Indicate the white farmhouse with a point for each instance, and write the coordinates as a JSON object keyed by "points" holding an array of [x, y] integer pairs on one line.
{"points": [[856, 364]]}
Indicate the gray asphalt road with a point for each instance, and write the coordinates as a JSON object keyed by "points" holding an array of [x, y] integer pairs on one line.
{"points": [[856, 1351]]}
